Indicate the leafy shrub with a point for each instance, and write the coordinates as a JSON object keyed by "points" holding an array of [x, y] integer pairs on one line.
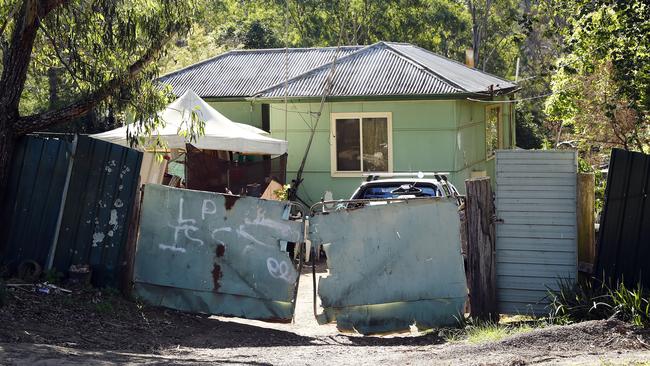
{"points": [[581, 301]]}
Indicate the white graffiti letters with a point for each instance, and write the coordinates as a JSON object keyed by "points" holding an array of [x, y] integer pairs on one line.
{"points": [[204, 208], [186, 226], [279, 269]]}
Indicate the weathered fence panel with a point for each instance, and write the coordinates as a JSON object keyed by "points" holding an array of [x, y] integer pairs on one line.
{"points": [[481, 250], [30, 212], [98, 204], [624, 235], [391, 265], [586, 229], [216, 254], [537, 233]]}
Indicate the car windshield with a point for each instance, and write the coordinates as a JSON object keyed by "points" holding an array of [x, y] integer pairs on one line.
{"points": [[395, 191]]}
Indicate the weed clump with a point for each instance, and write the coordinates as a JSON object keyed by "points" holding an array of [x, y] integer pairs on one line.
{"points": [[591, 300]]}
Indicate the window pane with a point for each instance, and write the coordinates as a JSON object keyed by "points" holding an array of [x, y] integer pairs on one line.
{"points": [[492, 130], [348, 149], [375, 144]]}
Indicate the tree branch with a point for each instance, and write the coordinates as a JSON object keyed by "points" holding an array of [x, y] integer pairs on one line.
{"points": [[18, 55], [86, 104], [9, 16], [58, 54]]}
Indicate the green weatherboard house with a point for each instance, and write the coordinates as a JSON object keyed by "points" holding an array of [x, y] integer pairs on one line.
{"points": [[392, 107]]}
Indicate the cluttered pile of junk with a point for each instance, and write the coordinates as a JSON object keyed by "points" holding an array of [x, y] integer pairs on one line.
{"points": [[227, 157]]}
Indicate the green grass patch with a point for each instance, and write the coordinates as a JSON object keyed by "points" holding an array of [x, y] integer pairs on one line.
{"points": [[494, 332], [474, 331]]}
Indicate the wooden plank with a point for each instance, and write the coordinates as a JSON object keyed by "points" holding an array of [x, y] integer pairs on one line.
{"points": [[533, 244], [526, 166], [536, 270], [523, 174], [585, 219], [535, 187], [535, 257], [128, 255], [481, 249], [527, 283], [536, 155], [569, 181]]}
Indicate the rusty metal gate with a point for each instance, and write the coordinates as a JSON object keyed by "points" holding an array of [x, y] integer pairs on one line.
{"points": [[391, 265], [226, 255], [536, 237], [216, 254]]}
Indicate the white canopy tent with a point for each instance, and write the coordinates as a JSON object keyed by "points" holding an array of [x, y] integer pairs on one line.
{"points": [[220, 132]]}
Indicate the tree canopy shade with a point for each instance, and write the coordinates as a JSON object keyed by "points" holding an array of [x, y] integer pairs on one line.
{"points": [[99, 55]]}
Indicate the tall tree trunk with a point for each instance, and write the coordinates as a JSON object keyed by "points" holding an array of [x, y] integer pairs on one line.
{"points": [[7, 143], [14, 73]]}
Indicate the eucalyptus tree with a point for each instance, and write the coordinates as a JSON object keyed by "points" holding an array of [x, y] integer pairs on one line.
{"points": [[102, 52], [601, 92]]}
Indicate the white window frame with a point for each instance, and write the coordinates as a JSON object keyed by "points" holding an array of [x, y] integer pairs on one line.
{"points": [[359, 115], [499, 130]]}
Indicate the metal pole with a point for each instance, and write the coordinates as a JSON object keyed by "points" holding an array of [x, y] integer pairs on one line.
{"points": [[64, 195]]}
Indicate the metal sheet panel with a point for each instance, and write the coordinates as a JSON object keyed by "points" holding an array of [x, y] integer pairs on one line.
{"points": [[536, 240], [241, 73], [216, 254], [624, 236], [376, 70], [34, 192], [380, 69], [95, 220], [392, 265]]}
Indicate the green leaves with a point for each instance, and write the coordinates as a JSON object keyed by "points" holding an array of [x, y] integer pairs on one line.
{"points": [[603, 83]]}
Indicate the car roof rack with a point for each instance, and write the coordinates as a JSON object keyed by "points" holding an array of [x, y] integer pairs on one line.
{"points": [[374, 176]]}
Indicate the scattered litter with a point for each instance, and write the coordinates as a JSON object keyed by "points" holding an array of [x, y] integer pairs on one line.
{"points": [[44, 288], [79, 274]]}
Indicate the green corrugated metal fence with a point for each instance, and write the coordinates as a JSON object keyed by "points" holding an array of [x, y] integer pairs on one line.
{"points": [[94, 221], [31, 207]]}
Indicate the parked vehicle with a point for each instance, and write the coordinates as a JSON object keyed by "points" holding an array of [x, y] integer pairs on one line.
{"points": [[404, 185]]}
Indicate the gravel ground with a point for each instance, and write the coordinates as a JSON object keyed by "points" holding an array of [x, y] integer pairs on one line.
{"points": [[95, 328]]}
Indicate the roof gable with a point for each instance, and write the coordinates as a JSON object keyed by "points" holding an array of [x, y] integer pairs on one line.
{"points": [[375, 70]]}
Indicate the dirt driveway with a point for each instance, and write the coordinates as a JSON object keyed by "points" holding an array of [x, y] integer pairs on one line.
{"points": [[92, 328]]}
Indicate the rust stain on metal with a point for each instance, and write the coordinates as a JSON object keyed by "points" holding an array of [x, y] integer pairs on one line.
{"points": [[230, 200], [216, 276], [221, 249]]}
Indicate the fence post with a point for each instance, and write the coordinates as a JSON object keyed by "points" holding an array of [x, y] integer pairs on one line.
{"points": [[481, 249], [586, 234], [128, 255]]}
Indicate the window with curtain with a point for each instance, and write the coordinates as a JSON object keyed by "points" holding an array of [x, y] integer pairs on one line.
{"points": [[362, 143], [492, 123]]}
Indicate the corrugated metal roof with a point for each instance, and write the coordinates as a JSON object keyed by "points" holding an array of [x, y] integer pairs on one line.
{"points": [[381, 69], [470, 80], [241, 73], [376, 70]]}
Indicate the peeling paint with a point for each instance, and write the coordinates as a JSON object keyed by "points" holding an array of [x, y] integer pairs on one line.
{"points": [[98, 238]]}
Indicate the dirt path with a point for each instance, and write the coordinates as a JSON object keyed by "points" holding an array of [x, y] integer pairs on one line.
{"points": [[91, 328]]}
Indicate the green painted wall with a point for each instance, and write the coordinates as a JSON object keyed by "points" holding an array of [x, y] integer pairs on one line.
{"points": [[239, 111], [470, 146], [428, 135], [446, 135]]}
